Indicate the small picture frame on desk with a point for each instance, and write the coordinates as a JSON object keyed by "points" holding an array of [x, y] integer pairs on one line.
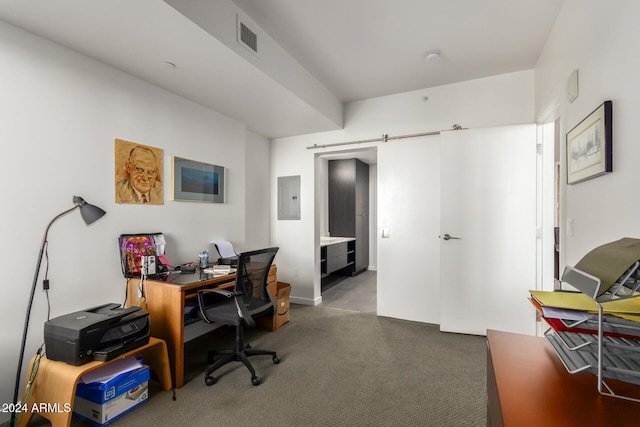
{"points": [[589, 146], [196, 181]]}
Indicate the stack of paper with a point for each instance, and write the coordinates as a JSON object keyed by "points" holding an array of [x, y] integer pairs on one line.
{"points": [[219, 270], [576, 312], [108, 372]]}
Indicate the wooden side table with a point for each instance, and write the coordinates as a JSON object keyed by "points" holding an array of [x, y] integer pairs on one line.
{"points": [[55, 384]]}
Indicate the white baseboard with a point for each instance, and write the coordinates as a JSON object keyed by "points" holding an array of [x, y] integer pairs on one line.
{"points": [[305, 301]]}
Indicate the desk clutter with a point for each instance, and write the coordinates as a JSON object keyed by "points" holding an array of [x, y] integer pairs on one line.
{"points": [[219, 270], [596, 329], [143, 253]]}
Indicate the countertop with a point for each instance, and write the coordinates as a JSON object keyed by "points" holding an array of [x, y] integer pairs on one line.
{"points": [[325, 241]]}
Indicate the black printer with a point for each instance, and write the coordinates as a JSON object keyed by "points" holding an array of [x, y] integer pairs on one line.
{"points": [[99, 333]]}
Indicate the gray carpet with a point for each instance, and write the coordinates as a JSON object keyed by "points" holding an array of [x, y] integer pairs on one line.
{"points": [[339, 368]]}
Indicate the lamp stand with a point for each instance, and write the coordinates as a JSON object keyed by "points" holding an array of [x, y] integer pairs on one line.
{"points": [[29, 305], [90, 214]]}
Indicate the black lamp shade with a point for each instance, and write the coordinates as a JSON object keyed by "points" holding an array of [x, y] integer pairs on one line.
{"points": [[90, 213]]}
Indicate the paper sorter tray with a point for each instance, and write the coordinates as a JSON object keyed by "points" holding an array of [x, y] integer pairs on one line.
{"points": [[617, 363]]}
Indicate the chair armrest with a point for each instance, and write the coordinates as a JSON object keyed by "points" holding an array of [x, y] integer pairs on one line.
{"points": [[222, 292]]}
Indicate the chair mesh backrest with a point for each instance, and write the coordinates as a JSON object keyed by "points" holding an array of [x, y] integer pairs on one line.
{"points": [[251, 276]]}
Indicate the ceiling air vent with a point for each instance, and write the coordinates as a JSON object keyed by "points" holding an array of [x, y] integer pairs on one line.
{"points": [[247, 38]]}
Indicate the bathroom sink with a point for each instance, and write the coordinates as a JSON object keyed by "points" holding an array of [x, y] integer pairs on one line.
{"points": [[333, 240]]}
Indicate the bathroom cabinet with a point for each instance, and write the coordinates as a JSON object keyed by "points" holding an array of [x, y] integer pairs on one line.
{"points": [[349, 206], [337, 254]]}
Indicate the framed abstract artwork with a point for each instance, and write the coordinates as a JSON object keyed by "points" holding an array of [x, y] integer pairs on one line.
{"points": [[589, 146], [196, 181]]}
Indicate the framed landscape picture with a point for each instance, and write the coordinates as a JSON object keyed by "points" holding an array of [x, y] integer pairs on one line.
{"points": [[589, 146], [196, 181]]}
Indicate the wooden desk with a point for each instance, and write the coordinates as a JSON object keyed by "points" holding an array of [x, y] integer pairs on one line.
{"points": [[55, 384], [527, 385], [165, 302]]}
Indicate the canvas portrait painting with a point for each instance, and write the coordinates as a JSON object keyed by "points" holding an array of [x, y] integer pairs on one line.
{"points": [[138, 173]]}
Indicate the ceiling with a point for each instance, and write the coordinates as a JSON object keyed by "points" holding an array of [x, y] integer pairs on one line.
{"points": [[335, 51], [362, 49]]}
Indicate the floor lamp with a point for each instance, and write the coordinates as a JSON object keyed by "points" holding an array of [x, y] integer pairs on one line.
{"points": [[90, 214]]}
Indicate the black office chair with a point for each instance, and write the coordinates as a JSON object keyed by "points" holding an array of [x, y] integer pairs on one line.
{"points": [[249, 300]]}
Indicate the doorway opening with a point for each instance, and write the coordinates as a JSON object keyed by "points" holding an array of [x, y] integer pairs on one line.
{"points": [[337, 285], [550, 204]]}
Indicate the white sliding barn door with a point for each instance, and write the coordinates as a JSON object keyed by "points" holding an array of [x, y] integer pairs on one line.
{"points": [[488, 208]]}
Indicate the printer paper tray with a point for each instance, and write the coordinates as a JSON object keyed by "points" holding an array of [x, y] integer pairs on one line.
{"points": [[115, 350]]}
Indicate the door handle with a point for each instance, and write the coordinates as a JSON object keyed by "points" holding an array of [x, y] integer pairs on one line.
{"points": [[446, 236]]}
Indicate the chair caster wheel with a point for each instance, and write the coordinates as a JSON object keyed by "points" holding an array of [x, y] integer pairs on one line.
{"points": [[255, 381], [208, 380], [276, 360]]}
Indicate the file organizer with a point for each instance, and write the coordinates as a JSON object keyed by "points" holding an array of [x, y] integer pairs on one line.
{"points": [[603, 345]]}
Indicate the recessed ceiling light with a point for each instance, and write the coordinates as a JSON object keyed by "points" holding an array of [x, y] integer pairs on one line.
{"points": [[432, 55]]}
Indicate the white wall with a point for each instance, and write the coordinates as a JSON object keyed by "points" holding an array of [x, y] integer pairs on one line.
{"points": [[500, 100], [257, 195], [600, 40], [60, 113]]}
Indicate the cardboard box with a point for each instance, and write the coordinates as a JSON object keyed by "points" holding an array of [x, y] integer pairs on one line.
{"points": [[101, 403], [272, 280], [282, 292], [272, 287], [273, 273]]}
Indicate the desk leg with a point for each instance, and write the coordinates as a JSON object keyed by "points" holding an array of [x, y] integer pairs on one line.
{"points": [[179, 366]]}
